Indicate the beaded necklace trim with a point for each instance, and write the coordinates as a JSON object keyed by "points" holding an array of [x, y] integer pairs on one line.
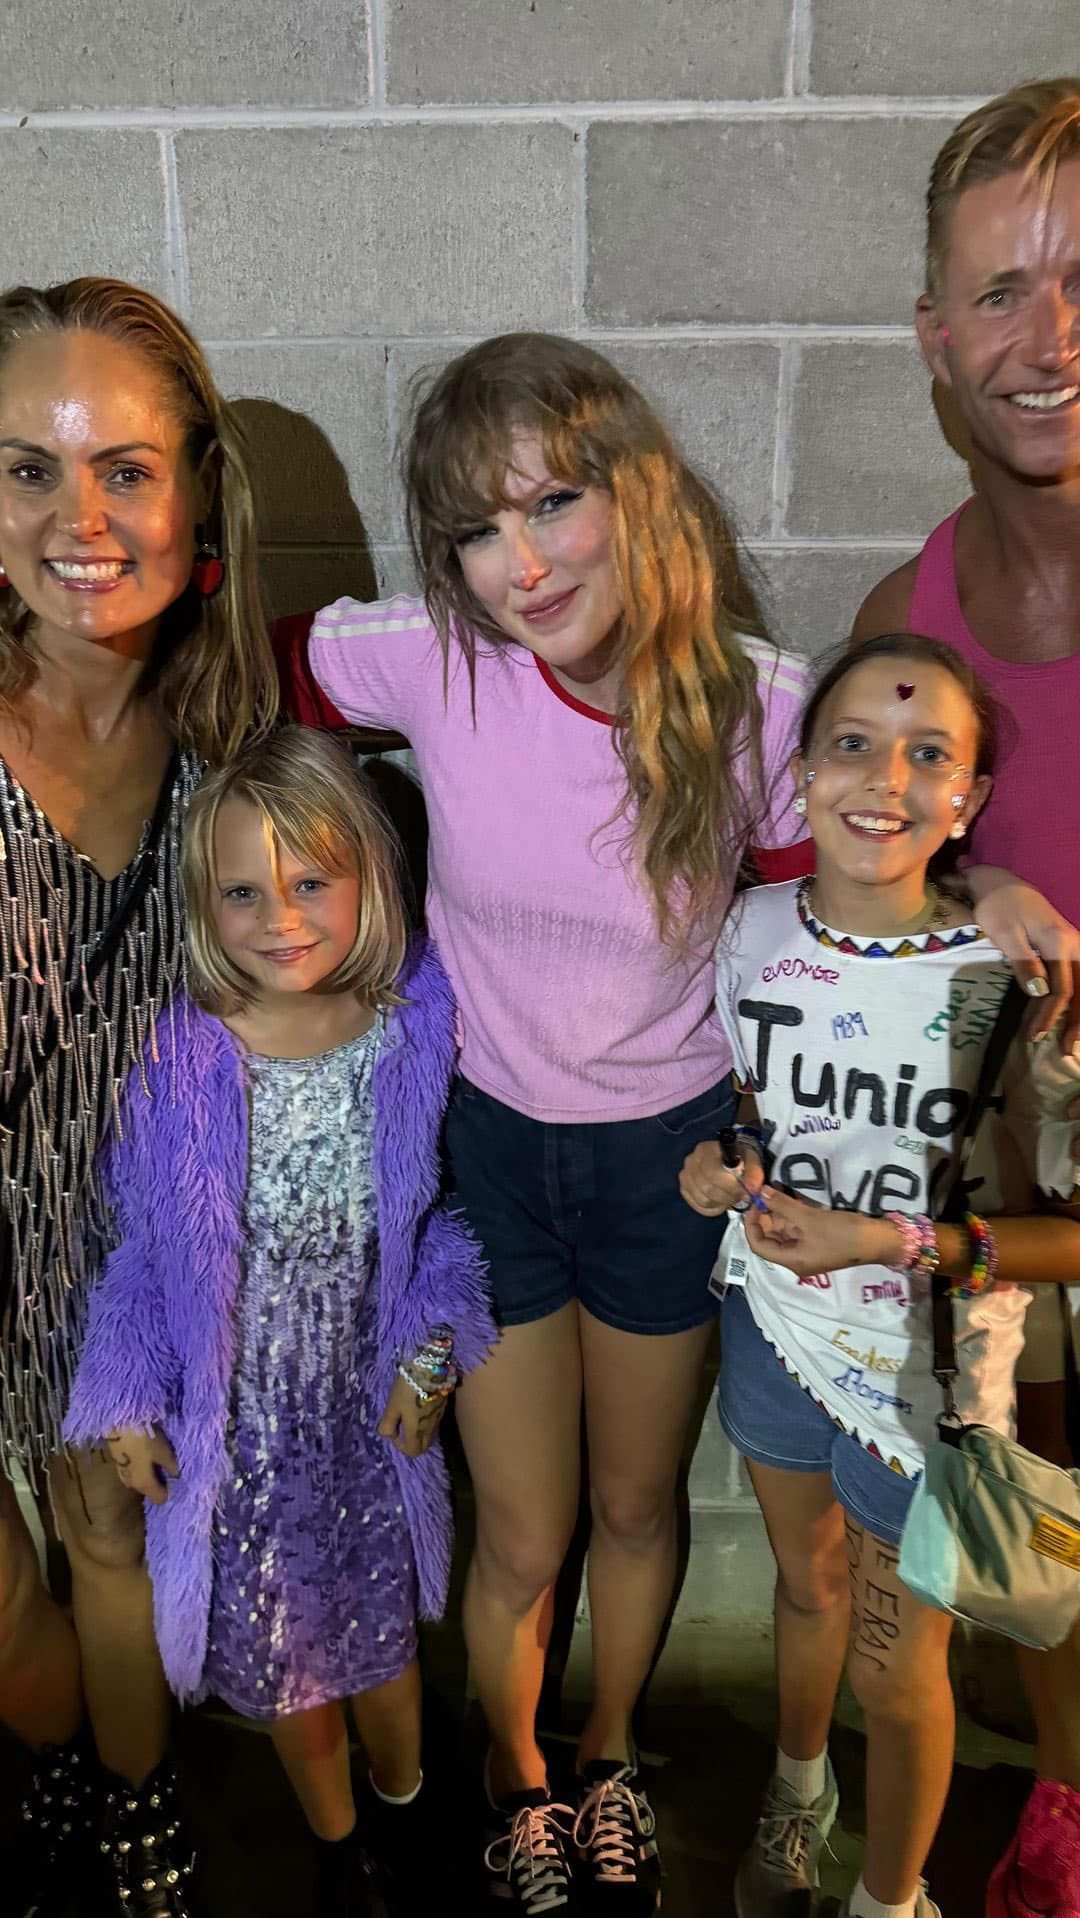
{"points": [[907, 946]]}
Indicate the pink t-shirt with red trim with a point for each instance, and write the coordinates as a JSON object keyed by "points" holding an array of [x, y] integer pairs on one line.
{"points": [[571, 1007]]}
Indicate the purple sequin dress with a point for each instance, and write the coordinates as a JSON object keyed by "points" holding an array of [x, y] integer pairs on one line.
{"points": [[314, 1583]]}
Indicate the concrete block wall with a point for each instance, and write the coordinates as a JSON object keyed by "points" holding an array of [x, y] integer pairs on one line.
{"points": [[724, 194]]}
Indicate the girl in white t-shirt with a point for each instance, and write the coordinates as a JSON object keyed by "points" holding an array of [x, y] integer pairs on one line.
{"points": [[858, 1005]]}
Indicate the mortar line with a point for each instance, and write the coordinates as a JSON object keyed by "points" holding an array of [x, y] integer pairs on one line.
{"points": [[800, 107], [691, 332], [175, 237], [781, 479], [377, 52], [581, 229], [802, 31]]}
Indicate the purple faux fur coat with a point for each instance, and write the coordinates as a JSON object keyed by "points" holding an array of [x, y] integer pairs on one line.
{"points": [[159, 1343]]}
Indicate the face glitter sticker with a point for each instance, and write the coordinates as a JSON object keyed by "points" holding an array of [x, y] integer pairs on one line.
{"points": [[905, 688]]}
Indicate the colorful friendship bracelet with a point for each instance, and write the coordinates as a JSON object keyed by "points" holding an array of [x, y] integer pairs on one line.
{"points": [[919, 1257], [984, 1260]]}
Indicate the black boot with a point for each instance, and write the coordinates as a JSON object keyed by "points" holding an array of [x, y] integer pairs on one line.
{"points": [[54, 1837], [149, 1853], [349, 1883]]}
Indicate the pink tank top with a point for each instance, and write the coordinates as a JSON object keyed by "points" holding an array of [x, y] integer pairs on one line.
{"points": [[1029, 825]]}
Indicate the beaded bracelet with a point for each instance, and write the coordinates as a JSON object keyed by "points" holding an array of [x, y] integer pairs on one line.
{"points": [[426, 1394], [431, 1372], [984, 1260], [919, 1257]]}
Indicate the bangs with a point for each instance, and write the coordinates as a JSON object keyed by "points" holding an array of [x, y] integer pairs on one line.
{"points": [[467, 419], [294, 825], [467, 468]]}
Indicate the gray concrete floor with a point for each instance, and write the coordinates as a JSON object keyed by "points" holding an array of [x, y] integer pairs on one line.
{"points": [[706, 1732], [706, 1749]]}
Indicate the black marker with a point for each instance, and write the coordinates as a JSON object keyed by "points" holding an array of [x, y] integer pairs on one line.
{"points": [[729, 1152]]}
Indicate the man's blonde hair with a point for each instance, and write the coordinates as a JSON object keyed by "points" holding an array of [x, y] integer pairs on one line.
{"points": [[1032, 130], [315, 803]]}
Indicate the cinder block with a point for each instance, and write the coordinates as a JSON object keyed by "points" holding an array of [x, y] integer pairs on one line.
{"points": [[300, 579], [813, 595], [148, 53], [756, 220], [869, 458], [412, 229], [315, 417], [536, 50], [938, 46], [81, 202], [718, 398]]}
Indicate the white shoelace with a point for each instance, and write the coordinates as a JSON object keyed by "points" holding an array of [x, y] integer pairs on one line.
{"points": [[611, 1819], [786, 1835], [531, 1858], [786, 1838]]}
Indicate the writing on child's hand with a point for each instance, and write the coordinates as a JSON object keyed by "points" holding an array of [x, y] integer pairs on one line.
{"points": [[144, 1461], [809, 1239]]}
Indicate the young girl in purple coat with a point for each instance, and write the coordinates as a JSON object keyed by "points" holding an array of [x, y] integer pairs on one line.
{"points": [[272, 1342]]}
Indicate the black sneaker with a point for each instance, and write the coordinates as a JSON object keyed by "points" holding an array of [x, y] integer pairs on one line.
{"points": [[53, 1841], [615, 1833], [528, 1857]]}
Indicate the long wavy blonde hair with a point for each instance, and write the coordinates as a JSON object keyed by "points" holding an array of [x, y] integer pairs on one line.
{"points": [[689, 726], [213, 666]]}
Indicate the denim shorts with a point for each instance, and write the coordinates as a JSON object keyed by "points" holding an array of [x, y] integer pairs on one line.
{"points": [[590, 1212], [769, 1418]]}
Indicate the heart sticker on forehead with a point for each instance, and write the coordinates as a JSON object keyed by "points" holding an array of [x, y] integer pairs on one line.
{"points": [[905, 688]]}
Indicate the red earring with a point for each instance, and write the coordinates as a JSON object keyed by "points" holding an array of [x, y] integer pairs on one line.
{"points": [[946, 337], [207, 571], [4, 580]]}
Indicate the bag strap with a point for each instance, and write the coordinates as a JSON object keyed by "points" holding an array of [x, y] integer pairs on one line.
{"points": [[112, 933], [1006, 1025]]}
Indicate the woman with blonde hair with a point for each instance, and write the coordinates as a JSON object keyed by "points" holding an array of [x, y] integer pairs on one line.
{"points": [[603, 734], [132, 651]]}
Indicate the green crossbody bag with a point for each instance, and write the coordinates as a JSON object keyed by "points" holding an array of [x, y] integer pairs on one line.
{"points": [[993, 1532]]}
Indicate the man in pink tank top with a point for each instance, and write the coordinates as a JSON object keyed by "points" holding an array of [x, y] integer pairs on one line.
{"points": [[999, 326]]}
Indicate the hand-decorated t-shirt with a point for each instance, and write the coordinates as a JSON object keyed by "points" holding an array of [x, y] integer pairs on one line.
{"points": [[863, 1055]]}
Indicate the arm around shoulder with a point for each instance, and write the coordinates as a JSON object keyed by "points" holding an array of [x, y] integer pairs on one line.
{"points": [[377, 663]]}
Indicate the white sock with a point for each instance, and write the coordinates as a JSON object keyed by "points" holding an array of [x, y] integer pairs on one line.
{"points": [[804, 1776], [386, 1798], [861, 1905]]}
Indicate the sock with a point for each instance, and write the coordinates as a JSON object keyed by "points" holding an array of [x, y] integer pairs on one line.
{"points": [[385, 1797], [861, 1905], [804, 1776]]}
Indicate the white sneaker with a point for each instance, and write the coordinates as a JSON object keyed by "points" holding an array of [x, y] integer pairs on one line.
{"points": [[779, 1874]]}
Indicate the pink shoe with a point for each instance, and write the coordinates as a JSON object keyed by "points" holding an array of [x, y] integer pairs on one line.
{"points": [[1039, 1876]]}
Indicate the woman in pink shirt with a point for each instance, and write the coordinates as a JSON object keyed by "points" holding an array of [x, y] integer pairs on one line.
{"points": [[1000, 581], [603, 734]]}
